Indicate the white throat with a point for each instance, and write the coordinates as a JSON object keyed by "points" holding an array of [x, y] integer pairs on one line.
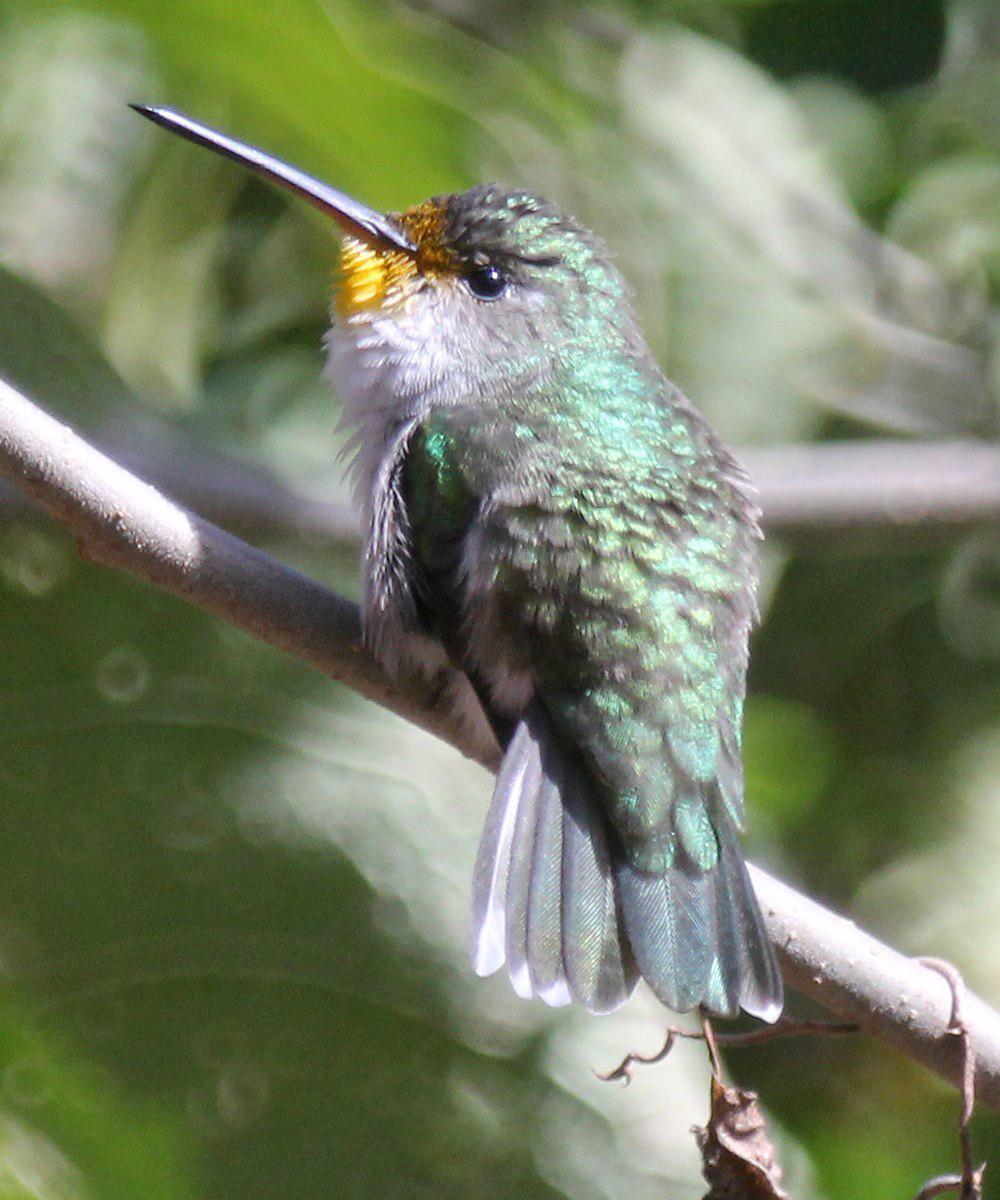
{"points": [[389, 370]]}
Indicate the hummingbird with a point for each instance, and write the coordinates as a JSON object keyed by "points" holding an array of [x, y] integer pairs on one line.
{"points": [[549, 514]]}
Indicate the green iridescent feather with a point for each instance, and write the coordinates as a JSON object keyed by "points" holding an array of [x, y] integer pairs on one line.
{"points": [[622, 572], [548, 508]]}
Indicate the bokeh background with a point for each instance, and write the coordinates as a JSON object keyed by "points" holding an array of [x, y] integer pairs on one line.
{"points": [[233, 895]]}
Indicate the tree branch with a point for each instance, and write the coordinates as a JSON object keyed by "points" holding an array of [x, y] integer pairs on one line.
{"points": [[881, 488], [882, 485], [124, 523]]}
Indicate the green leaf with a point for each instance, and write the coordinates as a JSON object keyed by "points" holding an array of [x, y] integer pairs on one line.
{"points": [[291, 83], [45, 353], [163, 305]]}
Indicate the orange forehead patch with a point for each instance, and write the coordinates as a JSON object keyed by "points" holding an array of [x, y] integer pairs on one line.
{"points": [[373, 274]]}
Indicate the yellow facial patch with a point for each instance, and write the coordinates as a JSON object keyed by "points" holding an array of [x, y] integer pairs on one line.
{"points": [[370, 273], [374, 275]]}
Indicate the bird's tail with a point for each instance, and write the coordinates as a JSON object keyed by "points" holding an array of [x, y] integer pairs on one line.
{"points": [[556, 900]]}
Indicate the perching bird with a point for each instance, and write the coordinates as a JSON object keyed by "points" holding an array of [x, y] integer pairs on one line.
{"points": [[549, 514]]}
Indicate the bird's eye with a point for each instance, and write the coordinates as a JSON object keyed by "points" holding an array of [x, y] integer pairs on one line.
{"points": [[486, 283]]}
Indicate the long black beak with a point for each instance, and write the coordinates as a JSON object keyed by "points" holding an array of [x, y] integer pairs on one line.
{"points": [[351, 216]]}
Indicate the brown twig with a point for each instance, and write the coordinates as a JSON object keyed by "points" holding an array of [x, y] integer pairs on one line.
{"points": [[938, 1186], [750, 1037], [708, 1033], [969, 1184]]}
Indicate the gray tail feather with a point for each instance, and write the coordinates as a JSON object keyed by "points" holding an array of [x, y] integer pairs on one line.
{"points": [[555, 900], [699, 937], [759, 981], [543, 894]]}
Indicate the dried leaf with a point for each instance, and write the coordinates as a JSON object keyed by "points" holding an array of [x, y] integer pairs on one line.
{"points": [[738, 1155]]}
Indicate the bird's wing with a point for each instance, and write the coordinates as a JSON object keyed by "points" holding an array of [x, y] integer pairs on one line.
{"points": [[624, 597], [641, 658]]}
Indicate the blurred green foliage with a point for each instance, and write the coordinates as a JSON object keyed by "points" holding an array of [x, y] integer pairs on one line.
{"points": [[233, 896]]}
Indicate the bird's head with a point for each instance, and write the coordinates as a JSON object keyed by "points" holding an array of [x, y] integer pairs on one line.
{"points": [[465, 295]]}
